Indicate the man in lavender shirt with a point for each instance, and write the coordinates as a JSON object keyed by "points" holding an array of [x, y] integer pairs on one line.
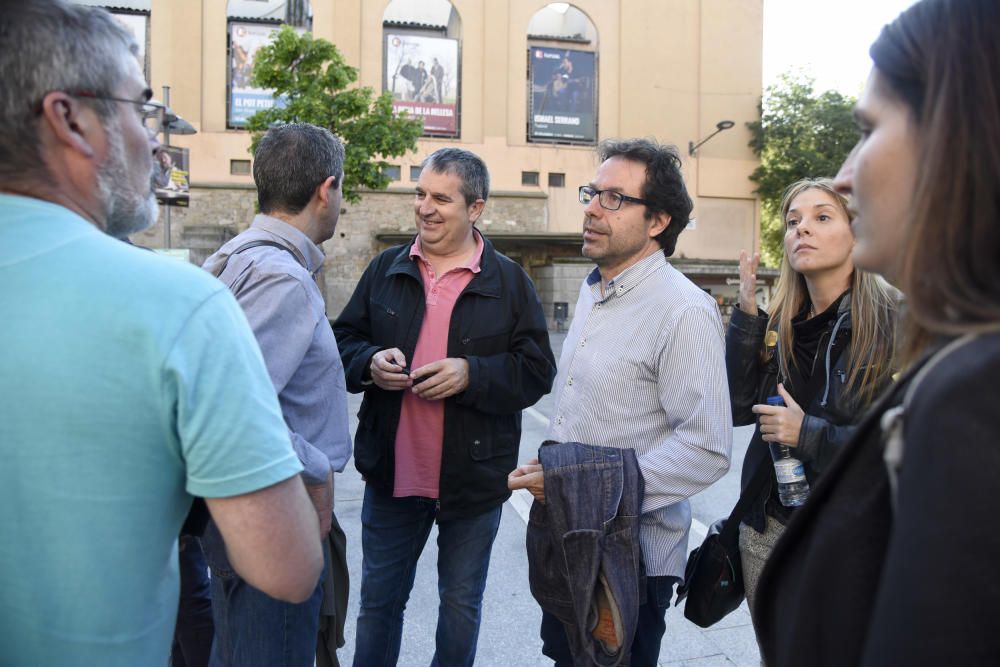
{"points": [[298, 169]]}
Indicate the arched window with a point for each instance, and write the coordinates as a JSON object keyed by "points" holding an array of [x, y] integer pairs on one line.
{"points": [[134, 15], [562, 76], [252, 24], [421, 62]]}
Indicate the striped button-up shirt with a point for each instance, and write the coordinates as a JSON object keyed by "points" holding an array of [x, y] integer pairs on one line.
{"points": [[643, 367]]}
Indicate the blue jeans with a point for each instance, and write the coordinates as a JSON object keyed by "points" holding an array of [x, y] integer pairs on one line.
{"points": [[648, 634], [252, 628], [393, 534], [193, 635]]}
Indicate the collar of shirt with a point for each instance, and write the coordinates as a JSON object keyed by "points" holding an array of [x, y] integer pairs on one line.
{"points": [[306, 249], [474, 263], [627, 279]]}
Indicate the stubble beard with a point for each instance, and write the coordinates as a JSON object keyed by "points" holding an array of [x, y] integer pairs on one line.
{"points": [[126, 212]]}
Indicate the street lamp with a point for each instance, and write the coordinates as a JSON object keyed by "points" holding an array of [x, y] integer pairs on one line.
{"points": [[719, 127], [172, 123]]}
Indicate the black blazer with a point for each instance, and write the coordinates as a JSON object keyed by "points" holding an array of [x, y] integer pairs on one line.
{"points": [[853, 583]]}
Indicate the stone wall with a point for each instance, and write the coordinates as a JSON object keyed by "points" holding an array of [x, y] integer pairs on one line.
{"points": [[559, 282], [382, 219], [216, 214]]}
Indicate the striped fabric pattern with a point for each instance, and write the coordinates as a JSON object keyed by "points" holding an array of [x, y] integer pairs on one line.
{"points": [[643, 367]]}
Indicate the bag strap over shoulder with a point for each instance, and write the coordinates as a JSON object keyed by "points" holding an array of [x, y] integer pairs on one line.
{"points": [[892, 419], [257, 244]]}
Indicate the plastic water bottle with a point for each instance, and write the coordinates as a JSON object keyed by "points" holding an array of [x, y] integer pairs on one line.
{"points": [[793, 487]]}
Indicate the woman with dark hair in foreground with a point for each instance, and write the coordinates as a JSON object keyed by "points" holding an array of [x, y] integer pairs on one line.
{"points": [[891, 561]]}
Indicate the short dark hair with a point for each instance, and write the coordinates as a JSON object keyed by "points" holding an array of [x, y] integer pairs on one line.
{"points": [[664, 187], [291, 161], [469, 168]]}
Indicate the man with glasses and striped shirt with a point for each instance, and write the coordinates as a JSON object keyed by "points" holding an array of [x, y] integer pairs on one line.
{"points": [[643, 368]]}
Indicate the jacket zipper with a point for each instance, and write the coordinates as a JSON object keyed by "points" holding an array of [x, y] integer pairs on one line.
{"points": [[829, 351]]}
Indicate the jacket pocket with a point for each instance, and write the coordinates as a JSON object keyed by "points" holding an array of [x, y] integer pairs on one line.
{"points": [[368, 451], [486, 344], [500, 441], [385, 320], [489, 447]]}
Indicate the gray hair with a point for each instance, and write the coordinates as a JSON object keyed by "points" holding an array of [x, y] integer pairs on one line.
{"points": [[50, 45], [469, 168], [291, 161]]}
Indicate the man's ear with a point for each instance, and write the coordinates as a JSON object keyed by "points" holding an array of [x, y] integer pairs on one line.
{"points": [[324, 188], [476, 210], [659, 223], [71, 125]]}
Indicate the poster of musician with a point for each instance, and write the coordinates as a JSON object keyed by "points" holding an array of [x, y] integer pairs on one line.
{"points": [[244, 99], [561, 105], [422, 75], [172, 175]]}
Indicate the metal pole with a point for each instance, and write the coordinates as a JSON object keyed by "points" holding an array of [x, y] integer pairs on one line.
{"points": [[166, 142]]}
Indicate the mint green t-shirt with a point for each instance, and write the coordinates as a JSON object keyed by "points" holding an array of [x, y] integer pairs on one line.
{"points": [[128, 384]]}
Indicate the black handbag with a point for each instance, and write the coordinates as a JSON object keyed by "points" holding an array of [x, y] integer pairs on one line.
{"points": [[713, 578]]}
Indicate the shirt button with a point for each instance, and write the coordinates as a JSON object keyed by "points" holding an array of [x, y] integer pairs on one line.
{"points": [[569, 381]]}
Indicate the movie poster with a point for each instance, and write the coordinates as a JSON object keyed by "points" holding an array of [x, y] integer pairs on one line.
{"points": [[244, 99], [172, 176], [561, 106], [136, 24], [422, 75]]}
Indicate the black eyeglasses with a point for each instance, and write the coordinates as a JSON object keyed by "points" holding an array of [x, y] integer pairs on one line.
{"points": [[608, 199], [151, 114]]}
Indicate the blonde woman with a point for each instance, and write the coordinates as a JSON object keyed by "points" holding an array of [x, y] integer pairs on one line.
{"points": [[826, 349]]}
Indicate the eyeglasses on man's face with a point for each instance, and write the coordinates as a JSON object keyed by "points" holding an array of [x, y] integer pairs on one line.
{"points": [[151, 114], [608, 199]]}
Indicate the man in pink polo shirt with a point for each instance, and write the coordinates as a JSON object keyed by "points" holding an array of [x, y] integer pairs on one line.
{"points": [[447, 339]]}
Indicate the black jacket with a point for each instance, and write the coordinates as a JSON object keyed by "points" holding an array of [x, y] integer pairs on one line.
{"points": [[851, 582], [497, 325], [827, 424]]}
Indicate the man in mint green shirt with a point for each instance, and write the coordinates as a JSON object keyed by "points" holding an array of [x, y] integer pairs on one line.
{"points": [[129, 383]]}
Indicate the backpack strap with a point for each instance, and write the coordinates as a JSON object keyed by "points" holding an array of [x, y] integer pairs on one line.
{"points": [[892, 419], [257, 244]]}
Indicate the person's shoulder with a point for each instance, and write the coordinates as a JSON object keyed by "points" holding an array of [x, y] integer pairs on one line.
{"points": [[507, 265], [968, 372], [145, 289], [392, 253], [676, 290], [265, 261]]}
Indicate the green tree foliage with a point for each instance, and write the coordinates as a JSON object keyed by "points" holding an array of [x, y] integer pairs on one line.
{"points": [[315, 78], [801, 134]]}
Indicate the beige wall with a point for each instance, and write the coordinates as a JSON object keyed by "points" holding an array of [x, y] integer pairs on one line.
{"points": [[669, 69]]}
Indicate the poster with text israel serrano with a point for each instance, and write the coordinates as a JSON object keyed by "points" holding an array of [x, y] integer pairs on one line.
{"points": [[244, 99], [561, 104], [422, 74]]}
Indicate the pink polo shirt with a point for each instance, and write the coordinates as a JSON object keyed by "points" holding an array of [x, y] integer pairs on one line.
{"points": [[420, 436]]}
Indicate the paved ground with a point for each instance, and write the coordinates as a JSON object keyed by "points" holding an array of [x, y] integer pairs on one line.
{"points": [[509, 633]]}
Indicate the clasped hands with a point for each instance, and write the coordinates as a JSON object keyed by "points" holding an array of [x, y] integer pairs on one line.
{"points": [[433, 382]]}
